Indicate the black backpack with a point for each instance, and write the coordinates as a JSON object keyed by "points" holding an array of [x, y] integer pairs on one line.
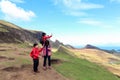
{"points": [[41, 38], [41, 41]]}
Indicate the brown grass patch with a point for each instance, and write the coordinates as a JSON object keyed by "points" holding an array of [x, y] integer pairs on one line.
{"points": [[6, 58], [56, 61]]}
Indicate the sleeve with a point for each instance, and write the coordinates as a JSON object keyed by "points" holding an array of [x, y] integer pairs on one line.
{"points": [[49, 49], [31, 53], [40, 49], [47, 37]]}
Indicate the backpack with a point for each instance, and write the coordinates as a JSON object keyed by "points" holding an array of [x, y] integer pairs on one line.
{"points": [[41, 41]]}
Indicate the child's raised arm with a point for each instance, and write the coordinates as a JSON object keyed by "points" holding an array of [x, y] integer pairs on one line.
{"points": [[40, 50]]}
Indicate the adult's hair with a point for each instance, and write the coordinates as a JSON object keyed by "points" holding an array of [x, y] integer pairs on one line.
{"points": [[43, 34], [35, 44]]}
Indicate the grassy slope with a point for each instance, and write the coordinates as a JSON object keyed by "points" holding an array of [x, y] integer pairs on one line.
{"points": [[110, 61], [80, 69], [13, 51], [9, 24], [13, 69]]}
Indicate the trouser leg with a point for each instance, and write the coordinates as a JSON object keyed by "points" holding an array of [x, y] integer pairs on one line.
{"points": [[49, 60]]}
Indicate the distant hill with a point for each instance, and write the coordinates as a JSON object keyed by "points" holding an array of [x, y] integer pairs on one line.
{"points": [[110, 61], [65, 50], [88, 46], [57, 44], [69, 46]]}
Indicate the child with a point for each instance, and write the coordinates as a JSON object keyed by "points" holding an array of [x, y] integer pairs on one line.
{"points": [[47, 55], [35, 55], [44, 38]]}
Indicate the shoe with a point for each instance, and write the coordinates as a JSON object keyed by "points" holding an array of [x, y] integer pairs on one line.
{"points": [[45, 68], [36, 71], [49, 67]]}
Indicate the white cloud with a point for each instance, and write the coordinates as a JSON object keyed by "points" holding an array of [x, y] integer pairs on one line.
{"points": [[75, 13], [76, 7], [78, 4], [117, 1], [90, 22], [95, 39], [93, 22], [17, 1], [12, 11]]}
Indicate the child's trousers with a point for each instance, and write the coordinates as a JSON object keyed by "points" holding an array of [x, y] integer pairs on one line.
{"points": [[35, 64]]}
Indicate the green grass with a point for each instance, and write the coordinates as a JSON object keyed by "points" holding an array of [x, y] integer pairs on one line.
{"points": [[3, 29], [9, 24], [19, 59], [23, 45], [17, 62], [80, 69]]}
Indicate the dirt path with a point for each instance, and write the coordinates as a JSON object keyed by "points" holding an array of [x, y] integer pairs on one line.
{"points": [[23, 72], [26, 73]]}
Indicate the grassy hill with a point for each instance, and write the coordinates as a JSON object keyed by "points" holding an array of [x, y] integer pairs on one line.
{"points": [[109, 61], [81, 69]]}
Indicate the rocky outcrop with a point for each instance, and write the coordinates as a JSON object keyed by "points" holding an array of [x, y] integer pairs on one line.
{"points": [[56, 44], [10, 33]]}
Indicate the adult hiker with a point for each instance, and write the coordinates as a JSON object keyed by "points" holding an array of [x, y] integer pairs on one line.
{"points": [[47, 55], [35, 55]]}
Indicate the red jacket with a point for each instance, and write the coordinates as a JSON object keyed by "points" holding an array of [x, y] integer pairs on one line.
{"points": [[35, 53], [46, 37]]}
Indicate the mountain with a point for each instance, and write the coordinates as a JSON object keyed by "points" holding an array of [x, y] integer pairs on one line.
{"points": [[88, 46], [11, 33], [69, 46], [56, 44]]}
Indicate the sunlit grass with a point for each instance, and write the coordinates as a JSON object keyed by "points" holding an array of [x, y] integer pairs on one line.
{"points": [[81, 69]]}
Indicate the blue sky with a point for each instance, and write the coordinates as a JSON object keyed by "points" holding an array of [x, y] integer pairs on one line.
{"points": [[75, 22]]}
